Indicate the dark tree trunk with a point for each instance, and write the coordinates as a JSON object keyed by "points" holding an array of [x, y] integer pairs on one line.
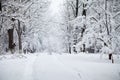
{"points": [[110, 56], [83, 30], [84, 10], [83, 47], [10, 36], [0, 6], [77, 7], [69, 48], [20, 43]]}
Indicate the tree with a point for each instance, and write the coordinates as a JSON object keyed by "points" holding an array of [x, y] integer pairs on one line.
{"points": [[0, 6], [72, 12]]}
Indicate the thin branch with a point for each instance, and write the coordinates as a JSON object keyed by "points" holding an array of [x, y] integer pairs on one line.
{"points": [[103, 41], [117, 27]]}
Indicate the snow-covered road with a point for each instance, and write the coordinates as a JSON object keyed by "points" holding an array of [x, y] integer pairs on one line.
{"points": [[47, 67], [58, 67]]}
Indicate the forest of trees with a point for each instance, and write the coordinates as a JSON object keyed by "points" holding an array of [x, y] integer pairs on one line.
{"points": [[91, 26]]}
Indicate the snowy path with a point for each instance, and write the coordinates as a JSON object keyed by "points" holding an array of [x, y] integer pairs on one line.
{"points": [[28, 73], [58, 67], [52, 69]]}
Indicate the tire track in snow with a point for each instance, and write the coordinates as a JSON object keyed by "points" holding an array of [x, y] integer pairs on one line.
{"points": [[47, 67], [69, 69], [78, 72], [28, 73]]}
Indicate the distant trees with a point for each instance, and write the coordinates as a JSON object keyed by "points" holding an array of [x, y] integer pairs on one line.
{"points": [[71, 12], [34, 29], [75, 9]]}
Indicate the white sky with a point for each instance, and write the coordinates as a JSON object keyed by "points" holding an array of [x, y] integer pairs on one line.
{"points": [[55, 6]]}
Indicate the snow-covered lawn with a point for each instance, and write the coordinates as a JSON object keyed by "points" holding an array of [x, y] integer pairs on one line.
{"points": [[58, 67]]}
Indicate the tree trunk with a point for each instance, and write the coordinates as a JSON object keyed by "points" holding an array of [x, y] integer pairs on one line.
{"points": [[69, 49], [19, 31], [84, 48], [75, 35], [20, 43], [83, 30], [84, 26], [0, 6], [84, 10], [110, 56], [106, 17], [10, 36], [77, 7]]}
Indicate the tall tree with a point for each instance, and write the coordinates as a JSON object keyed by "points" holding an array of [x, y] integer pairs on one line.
{"points": [[0, 6]]}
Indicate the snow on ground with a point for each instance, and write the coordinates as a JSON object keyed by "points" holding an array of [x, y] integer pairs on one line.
{"points": [[58, 67]]}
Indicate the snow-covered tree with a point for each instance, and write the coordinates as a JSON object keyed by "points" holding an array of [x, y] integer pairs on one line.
{"points": [[19, 20], [94, 29]]}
